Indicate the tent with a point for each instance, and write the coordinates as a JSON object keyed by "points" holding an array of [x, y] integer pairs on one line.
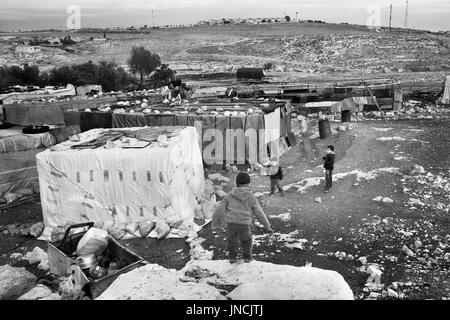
{"points": [[446, 95], [121, 181], [17, 161], [221, 116]]}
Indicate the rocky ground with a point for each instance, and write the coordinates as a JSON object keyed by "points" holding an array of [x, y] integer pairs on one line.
{"points": [[307, 48], [386, 218]]}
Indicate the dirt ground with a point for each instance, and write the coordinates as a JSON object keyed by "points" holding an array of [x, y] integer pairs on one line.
{"points": [[347, 219]]}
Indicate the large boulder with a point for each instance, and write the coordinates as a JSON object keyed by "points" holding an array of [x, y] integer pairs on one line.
{"points": [[40, 292], [262, 280], [252, 281], [153, 282], [14, 282]]}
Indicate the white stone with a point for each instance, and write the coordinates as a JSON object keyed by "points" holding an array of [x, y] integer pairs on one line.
{"points": [[392, 293], [15, 257], [418, 244], [318, 200], [153, 282], [40, 292], [374, 295], [36, 229], [278, 281], [388, 200], [363, 260], [36, 256], [14, 282], [258, 291], [408, 251]]}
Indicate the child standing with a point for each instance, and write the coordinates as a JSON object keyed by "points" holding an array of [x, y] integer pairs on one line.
{"points": [[238, 208], [329, 166], [275, 182]]}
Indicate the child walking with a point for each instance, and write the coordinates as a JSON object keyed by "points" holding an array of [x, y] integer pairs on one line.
{"points": [[329, 166], [275, 182], [238, 208]]}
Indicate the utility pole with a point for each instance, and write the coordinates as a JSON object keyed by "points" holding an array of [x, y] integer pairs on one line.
{"points": [[406, 15], [296, 16], [390, 18]]}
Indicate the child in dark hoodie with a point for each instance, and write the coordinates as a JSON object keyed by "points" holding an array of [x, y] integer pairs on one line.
{"points": [[238, 208], [329, 166], [275, 182]]}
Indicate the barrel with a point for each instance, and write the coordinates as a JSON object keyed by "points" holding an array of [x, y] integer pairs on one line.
{"points": [[324, 128], [346, 116]]}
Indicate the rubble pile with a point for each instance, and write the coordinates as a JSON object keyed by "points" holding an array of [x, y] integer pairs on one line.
{"points": [[411, 110], [419, 247], [57, 56], [365, 53], [280, 241], [27, 229], [427, 191]]}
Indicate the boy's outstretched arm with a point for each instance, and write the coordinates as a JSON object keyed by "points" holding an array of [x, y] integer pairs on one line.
{"points": [[261, 216], [218, 214]]}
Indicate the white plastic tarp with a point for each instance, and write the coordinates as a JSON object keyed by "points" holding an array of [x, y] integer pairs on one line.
{"points": [[272, 132], [446, 95], [124, 185]]}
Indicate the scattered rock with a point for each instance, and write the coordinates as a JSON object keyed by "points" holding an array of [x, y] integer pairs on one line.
{"points": [[374, 295], [391, 293], [408, 251], [15, 257], [388, 200], [413, 202], [418, 244], [40, 292], [318, 200], [440, 206], [14, 282], [36, 229], [363, 260], [38, 256]]}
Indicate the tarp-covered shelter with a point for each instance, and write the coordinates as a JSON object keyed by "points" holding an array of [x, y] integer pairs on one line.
{"points": [[239, 117], [110, 176], [15, 97], [17, 161]]}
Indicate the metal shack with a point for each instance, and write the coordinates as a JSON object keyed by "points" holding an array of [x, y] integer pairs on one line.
{"points": [[250, 74]]}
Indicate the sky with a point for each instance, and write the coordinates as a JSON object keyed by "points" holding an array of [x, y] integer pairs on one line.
{"points": [[43, 14]]}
